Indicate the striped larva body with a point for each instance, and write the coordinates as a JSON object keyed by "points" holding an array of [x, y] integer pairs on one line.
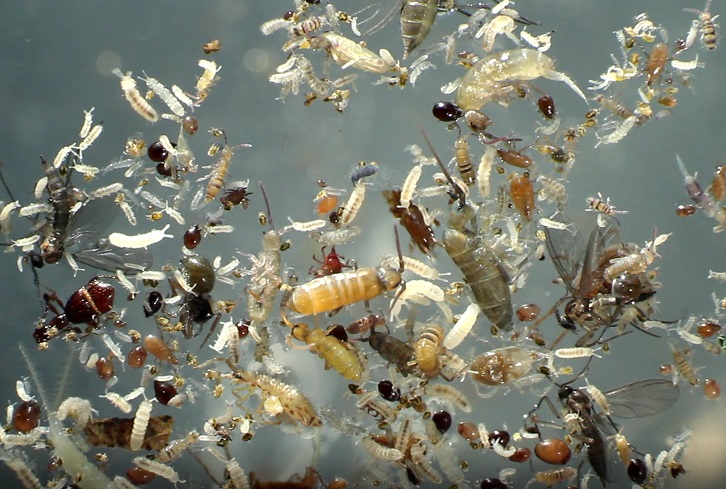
{"points": [[216, 177], [141, 421], [417, 17], [158, 468], [551, 477], [602, 205], [421, 465], [174, 449], [484, 170], [237, 475], [165, 95], [462, 327], [294, 403], [427, 350], [305, 227], [354, 203], [118, 401], [134, 98], [684, 367], [409, 186], [575, 352], [463, 161], [450, 394], [335, 352], [599, 398], [493, 77], [379, 451], [24, 474]]}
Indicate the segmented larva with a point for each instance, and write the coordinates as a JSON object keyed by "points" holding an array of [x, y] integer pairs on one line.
{"points": [[462, 327], [552, 189], [21, 439], [112, 346], [134, 98], [175, 214], [139, 240], [354, 203], [683, 366], [207, 79], [576, 352], [122, 483], [22, 390], [90, 138], [403, 436], [413, 265], [165, 95], [237, 475], [216, 178], [273, 25], [554, 476], [106, 191], [87, 122], [337, 236], [23, 472], [117, 400], [138, 430], [5, 215], [308, 225], [126, 209], [40, 187], [623, 447], [32, 209], [418, 457], [463, 161], [449, 393], [174, 449], [379, 451], [409, 186], [599, 398], [160, 469]]}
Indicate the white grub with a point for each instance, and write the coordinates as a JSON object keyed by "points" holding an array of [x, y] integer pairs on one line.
{"points": [[450, 394], [127, 210], [113, 347], [91, 362], [502, 451], [87, 123], [354, 203], [462, 327], [307, 226], [139, 240], [127, 284], [40, 187], [152, 199], [134, 98], [165, 95], [549, 223], [158, 468], [379, 451], [224, 270], [575, 352], [36, 208], [106, 190], [225, 334], [151, 275], [77, 408], [412, 265], [484, 170], [418, 458], [5, 215], [237, 475], [23, 242], [619, 133], [337, 236], [138, 430], [686, 65], [182, 96], [720, 276], [22, 388], [176, 215], [219, 229], [117, 400]]}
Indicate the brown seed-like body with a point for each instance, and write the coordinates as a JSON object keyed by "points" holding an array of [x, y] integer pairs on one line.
{"points": [[553, 451], [686, 210], [521, 455], [521, 192], [192, 237], [164, 392], [546, 106], [718, 184], [159, 349], [515, 158], [137, 357], [412, 220], [139, 476], [711, 389], [190, 125], [26, 416], [528, 312], [656, 63], [501, 366], [707, 329], [326, 204], [89, 302], [468, 431], [105, 368]]}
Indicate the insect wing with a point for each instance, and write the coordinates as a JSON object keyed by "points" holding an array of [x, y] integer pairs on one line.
{"points": [[643, 398], [396, 9], [98, 252], [601, 239], [566, 248]]}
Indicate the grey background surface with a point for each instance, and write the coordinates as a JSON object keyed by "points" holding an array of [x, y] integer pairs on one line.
{"points": [[56, 62]]}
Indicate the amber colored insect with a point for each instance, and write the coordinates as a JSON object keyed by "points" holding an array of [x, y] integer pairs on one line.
{"points": [[325, 203], [707, 329], [427, 350], [707, 26], [212, 46], [546, 106], [521, 192], [515, 158], [686, 210], [718, 184], [656, 63], [336, 353], [711, 389], [463, 161], [216, 178], [413, 220]]}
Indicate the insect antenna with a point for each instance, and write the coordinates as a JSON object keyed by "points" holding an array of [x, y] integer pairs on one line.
{"points": [[460, 195], [267, 205]]}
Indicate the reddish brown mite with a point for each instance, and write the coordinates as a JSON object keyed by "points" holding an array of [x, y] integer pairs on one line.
{"points": [[546, 106], [235, 196], [330, 264]]}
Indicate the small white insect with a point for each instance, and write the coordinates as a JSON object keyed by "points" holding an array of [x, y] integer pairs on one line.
{"points": [[270, 26], [307, 226], [619, 133], [32, 209], [117, 400], [337, 236], [77, 408], [139, 240], [125, 208], [207, 79], [219, 229], [113, 347], [106, 190], [409, 186], [40, 187], [23, 242], [450, 394], [90, 138], [138, 430], [575, 352], [61, 155], [599, 398], [379, 451], [354, 203], [134, 98], [165, 95], [158, 468], [175, 449], [175, 214], [484, 170], [421, 465], [503, 452], [686, 65], [549, 223], [462, 327], [22, 388], [182, 96]]}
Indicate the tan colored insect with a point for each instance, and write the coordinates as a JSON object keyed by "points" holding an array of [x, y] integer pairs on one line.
{"points": [[427, 350], [353, 204], [551, 477], [349, 53], [134, 98], [706, 25], [463, 161], [684, 366], [175, 448]]}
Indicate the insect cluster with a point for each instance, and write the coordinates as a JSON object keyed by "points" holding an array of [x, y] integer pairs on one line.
{"points": [[403, 345]]}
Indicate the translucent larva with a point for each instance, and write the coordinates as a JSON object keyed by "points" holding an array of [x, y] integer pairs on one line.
{"points": [[623, 448], [175, 214], [207, 80], [175, 449], [450, 394], [575, 352], [619, 133], [484, 170], [551, 477], [237, 475], [106, 190], [160, 469], [90, 138], [32, 209], [354, 203], [307, 226], [24, 474], [165, 95], [379, 451], [418, 458], [273, 25], [78, 408], [409, 186], [462, 327], [412, 265], [87, 123], [139, 240], [134, 98], [599, 398], [118, 401], [138, 430]]}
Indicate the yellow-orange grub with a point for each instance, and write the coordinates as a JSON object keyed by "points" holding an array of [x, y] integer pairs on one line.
{"points": [[332, 292], [334, 351]]}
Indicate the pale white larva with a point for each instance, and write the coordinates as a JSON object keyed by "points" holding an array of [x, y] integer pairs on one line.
{"points": [[139, 240], [118, 401], [237, 475], [462, 327], [379, 451], [158, 468], [134, 98], [138, 430], [354, 203]]}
